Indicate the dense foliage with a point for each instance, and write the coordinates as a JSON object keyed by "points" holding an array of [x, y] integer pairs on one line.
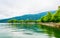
{"points": [[51, 17], [46, 18]]}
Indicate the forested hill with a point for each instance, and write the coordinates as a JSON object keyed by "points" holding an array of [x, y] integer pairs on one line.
{"points": [[25, 17], [50, 16]]}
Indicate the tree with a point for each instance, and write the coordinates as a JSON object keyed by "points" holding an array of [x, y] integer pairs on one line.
{"points": [[13, 21], [56, 16], [46, 18]]}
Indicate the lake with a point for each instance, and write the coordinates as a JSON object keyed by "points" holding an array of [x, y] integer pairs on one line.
{"points": [[8, 30]]}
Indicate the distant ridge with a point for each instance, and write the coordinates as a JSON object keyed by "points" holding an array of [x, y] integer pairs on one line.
{"points": [[26, 17]]}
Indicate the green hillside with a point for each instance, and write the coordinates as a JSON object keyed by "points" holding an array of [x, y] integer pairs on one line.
{"points": [[51, 17]]}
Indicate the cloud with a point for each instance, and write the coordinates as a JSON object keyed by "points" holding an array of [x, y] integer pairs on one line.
{"points": [[12, 8]]}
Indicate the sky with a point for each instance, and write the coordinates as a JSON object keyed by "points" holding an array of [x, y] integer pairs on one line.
{"points": [[12, 8]]}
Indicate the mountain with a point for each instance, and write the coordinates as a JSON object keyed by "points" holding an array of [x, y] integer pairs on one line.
{"points": [[26, 17]]}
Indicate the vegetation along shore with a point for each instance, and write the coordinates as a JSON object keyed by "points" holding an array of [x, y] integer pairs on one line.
{"points": [[49, 19]]}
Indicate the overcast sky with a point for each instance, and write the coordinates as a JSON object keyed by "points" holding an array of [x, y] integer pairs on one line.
{"points": [[12, 8]]}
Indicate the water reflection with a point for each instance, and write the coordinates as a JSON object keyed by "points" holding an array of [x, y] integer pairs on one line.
{"points": [[52, 31], [28, 31]]}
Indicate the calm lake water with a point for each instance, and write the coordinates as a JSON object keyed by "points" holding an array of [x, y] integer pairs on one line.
{"points": [[28, 31]]}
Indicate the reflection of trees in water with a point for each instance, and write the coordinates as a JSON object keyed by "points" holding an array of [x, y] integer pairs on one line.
{"points": [[51, 31], [39, 28]]}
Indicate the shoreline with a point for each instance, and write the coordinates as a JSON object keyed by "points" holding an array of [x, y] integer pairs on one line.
{"points": [[57, 25], [51, 24]]}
